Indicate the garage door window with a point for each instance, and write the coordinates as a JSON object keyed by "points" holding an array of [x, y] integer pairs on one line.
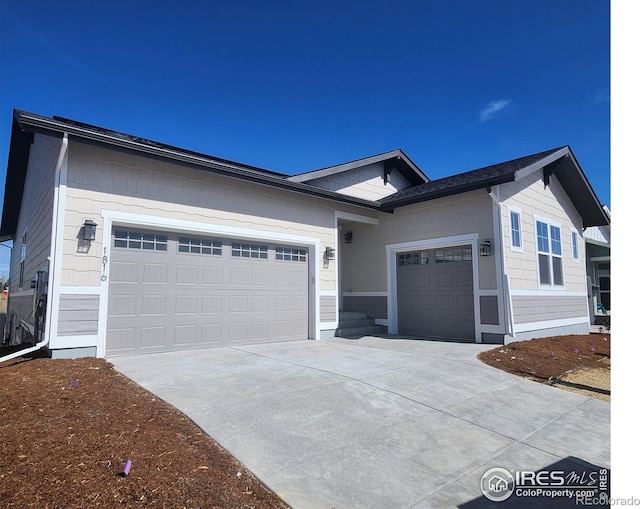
{"points": [[138, 240], [249, 250], [199, 246], [420, 258], [291, 254], [454, 254]]}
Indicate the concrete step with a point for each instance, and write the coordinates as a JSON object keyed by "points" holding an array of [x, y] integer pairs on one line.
{"points": [[363, 322], [352, 315], [357, 332]]}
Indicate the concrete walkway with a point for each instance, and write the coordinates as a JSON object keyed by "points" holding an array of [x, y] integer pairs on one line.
{"points": [[375, 423]]}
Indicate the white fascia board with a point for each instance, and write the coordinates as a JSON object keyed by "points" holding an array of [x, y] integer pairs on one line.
{"points": [[538, 165], [550, 324]]}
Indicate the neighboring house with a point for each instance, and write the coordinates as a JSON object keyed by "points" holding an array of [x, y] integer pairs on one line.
{"points": [[598, 263], [192, 251]]}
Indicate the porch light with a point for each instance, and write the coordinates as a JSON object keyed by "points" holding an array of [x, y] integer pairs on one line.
{"points": [[348, 237], [89, 230], [329, 253], [485, 248]]}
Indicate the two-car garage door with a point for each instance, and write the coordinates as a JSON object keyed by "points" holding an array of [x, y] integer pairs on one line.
{"points": [[174, 291]]}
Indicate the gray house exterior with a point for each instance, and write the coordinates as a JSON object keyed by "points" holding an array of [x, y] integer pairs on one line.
{"points": [[193, 251]]}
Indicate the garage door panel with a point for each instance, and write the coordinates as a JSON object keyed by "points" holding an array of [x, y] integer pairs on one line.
{"points": [[187, 274], [155, 273], [185, 335], [152, 337], [154, 305], [199, 297], [186, 304]]}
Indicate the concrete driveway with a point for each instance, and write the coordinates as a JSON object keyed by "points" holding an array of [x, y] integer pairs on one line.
{"points": [[376, 423]]}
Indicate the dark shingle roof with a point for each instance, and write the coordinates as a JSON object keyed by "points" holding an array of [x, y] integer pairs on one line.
{"points": [[462, 182]]}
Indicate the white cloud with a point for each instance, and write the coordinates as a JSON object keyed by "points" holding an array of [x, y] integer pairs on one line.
{"points": [[493, 108]]}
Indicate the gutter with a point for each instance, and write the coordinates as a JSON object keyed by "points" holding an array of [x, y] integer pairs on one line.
{"points": [[51, 258]]}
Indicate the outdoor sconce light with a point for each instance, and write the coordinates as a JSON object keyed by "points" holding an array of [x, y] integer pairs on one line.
{"points": [[348, 237], [329, 253], [89, 230], [485, 248]]}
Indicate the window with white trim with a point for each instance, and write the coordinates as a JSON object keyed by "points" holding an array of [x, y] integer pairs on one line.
{"points": [[516, 234], [575, 251], [549, 244], [249, 250], [199, 246], [291, 254], [418, 258]]}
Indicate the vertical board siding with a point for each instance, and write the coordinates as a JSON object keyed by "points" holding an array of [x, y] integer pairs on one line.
{"points": [[489, 310]]}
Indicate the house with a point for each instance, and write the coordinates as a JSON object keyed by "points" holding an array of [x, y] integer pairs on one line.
{"points": [[122, 245]]}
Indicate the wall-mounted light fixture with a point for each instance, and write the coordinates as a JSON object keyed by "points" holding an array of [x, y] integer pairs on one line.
{"points": [[329, 253], [348, 237], [485, 248], [89, 233]]}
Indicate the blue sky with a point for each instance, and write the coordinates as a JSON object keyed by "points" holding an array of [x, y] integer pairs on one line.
{"points": [[295, 86]]}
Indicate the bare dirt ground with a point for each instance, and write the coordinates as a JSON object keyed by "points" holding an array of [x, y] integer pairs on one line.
{"points": [[68, 427], [578, 363]]}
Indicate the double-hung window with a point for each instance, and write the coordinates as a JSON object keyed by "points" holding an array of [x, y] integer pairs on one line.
{"points": [[549, 244]]}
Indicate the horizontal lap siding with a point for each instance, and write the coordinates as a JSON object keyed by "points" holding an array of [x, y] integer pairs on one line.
{"points": [[528, 309], [327, 308], [78, 315]]}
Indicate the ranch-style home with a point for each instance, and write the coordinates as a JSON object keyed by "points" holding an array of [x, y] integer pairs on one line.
{"points": [[122, 245]]}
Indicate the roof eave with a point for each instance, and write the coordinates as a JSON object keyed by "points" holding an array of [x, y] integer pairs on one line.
{"points": [[484, 184], [37, 123]]}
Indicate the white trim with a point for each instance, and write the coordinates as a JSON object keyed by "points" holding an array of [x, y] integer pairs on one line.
{"points": [[113, 217], [364, 294], [381, 321], [546, 293], [525, 172], [515, 210], [488, 293], [73, 341], [549, 324], [329, 325], [600, 259], [577, 246], [328, 293], [357, 218], [392, 286]]}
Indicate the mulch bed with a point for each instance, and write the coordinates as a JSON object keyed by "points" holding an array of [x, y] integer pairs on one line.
{"points": [[551, 359], [68, 427]]}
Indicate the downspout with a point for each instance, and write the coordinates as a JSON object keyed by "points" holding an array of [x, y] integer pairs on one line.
{"points": [[51, 258], [506, 285]]}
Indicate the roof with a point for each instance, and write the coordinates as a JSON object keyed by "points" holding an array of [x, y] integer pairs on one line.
{"points": [[25, 123], [558, 161], [394, 160]]}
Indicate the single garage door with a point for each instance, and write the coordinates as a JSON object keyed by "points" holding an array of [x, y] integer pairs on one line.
{"points": [[435, 293], [176, 292]]}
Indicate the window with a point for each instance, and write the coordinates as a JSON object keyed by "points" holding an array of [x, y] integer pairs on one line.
{"points": [[420, 258], [23, 256], [199, 246], [549, 243], [249, 250], [516, 237], [291, 254], [453, 254], [575, 252], [138, 240]]}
